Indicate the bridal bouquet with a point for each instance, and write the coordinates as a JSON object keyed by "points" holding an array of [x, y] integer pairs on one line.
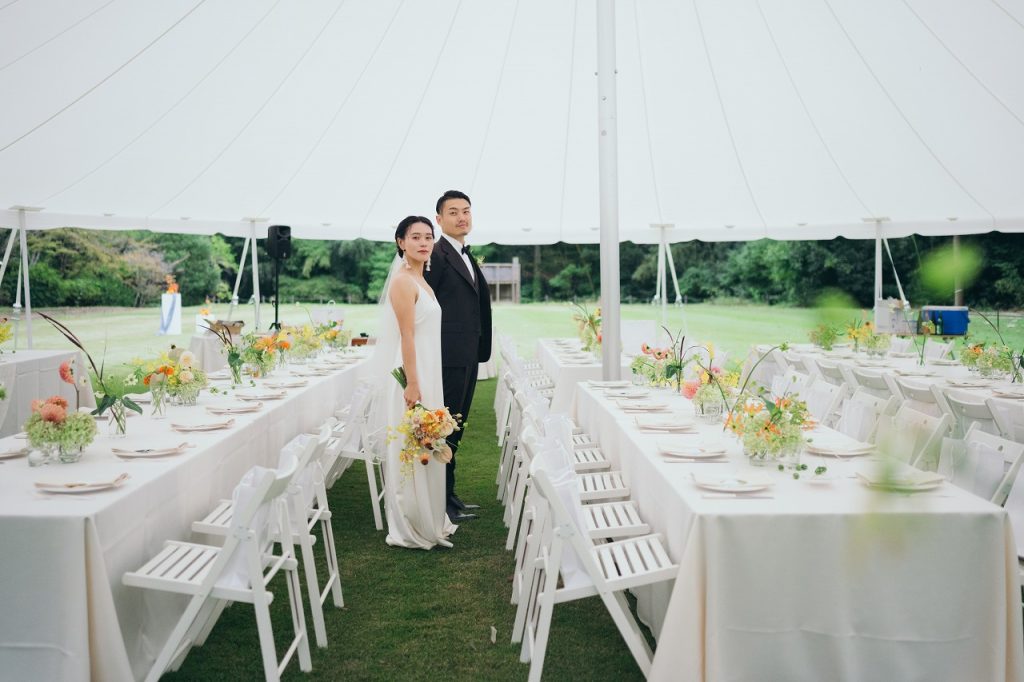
{"points": [[424, 431]]}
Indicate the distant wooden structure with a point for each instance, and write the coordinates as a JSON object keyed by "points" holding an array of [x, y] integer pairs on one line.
{"points": [[504, 280]]}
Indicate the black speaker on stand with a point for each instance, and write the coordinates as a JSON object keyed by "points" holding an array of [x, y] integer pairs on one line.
{"points": [[279, 248]]}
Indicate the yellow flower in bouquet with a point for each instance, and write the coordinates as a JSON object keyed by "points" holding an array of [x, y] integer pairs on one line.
{"points": [[423, 430], [5, 330]]}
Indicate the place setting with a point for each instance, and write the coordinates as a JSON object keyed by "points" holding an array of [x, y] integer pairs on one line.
{"points": [[259, 395], [700, 452], [631, 406], [617, 383], [152, 452], [201, 424], [286, 383], [906, 480], [235, 408], [1010, 393], [81, 487], [834, 444], [666, 424], [736, 485], [628, 393]]}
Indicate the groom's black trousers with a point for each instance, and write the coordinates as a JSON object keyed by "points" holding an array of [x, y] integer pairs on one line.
{"points": [[459, 384]]}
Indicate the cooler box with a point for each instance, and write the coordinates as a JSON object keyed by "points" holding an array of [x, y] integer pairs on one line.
{"points": [[950, 320]]}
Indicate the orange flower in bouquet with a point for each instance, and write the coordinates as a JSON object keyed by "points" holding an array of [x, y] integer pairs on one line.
{"points": [[424, 431]]}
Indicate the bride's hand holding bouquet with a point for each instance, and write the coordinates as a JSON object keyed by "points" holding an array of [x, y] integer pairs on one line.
{"points": [[424, 430]]}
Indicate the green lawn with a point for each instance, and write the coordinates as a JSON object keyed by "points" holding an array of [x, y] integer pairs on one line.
{"points": [[128, 332]]}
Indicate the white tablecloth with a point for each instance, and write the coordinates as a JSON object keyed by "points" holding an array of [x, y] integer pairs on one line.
{"points": [[567, 374], [821, 582], [65, 613], [32, 375]]}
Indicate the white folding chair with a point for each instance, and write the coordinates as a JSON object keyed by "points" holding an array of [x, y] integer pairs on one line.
{"points": [[358, 442], [307, 497], [912, 437], [1014, 506], [829, 371], [982, 464], [587, 569], [873, 382], [1009, 417], [859, 416], [823, 400], [937, 350], [917, 395], [967, 410], [239, 571], [790, 382], [901, 344]]}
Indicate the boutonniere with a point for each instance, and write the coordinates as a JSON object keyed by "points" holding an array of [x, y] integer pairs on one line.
{"points": [[479, 261]]}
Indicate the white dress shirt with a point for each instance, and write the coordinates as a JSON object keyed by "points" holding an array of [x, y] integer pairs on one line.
{"points": [[465, 256]]}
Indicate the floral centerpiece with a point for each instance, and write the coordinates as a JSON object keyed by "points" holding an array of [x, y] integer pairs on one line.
{"points": [[877, 344], [588, 325], [969, 355], [858, 331], [305, 341], [769, 429], [259, 353], [52, 427], [112, 389], [184, 380], [334, 335], [424, 431], [665, 366], [231, 351], [995, 360], [824, 336]]}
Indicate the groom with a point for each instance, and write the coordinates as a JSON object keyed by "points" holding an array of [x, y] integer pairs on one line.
{"points": [[465, 301]]}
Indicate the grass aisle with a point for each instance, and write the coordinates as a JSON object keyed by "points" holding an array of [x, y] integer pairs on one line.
{"points": [[415, 615]]}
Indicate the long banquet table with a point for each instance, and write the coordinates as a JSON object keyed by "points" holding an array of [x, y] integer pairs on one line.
{"points": [[66, 615], [823, 581], [32, 374]]}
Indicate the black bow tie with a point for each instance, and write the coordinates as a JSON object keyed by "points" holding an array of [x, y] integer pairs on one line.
{"points": [[465, 249]]}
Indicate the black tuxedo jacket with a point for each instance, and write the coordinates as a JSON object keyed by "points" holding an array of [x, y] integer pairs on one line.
{"points": [[465, 307]]}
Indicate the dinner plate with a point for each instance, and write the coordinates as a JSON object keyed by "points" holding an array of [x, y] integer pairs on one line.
{"points": [[310, 372], [735, 482], [969, 383], [631, 393], [150, 453], [690, 452], [235, 409], [916, 372], [14, 454], [258, 396], [287, 383], [641, 406], [665, 424], [79, 487], [903, 355], [908, 481], [943, 362], [203, 425], [1008, 393], [838, 451], [609, 384]]}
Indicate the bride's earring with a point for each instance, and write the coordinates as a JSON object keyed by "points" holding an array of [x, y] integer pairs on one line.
{"points": [[427, 266], [406, 262]]}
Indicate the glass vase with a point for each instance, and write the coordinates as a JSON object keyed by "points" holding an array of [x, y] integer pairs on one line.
{"points": [[159, 393], [187, 394], [710, 412], [236, 373], [757, 456], [789, 458], [117, 422], [69, 454]]}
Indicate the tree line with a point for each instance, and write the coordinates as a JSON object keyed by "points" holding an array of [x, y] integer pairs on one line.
{"points": [[72, 267]]}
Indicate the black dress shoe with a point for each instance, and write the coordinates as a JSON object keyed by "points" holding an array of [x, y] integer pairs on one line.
{"points": [[455, 516], [459, 504]]}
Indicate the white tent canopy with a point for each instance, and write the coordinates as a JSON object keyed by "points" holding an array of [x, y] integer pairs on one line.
{"points": [[736, 120]]}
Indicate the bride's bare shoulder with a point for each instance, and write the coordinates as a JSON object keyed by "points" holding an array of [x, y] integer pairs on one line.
{"points": [[403, 286]]}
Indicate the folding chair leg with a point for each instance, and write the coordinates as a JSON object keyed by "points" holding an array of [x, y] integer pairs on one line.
{"points": [[313, 591], [208, 613], [266, 633], [170, 650], [618, 607], [333, 573], [204, 632], [371, 479], [547, 607], [298, 621]]}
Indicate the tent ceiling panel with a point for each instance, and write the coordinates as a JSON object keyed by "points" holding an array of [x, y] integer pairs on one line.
{"points": [[756, 118]]}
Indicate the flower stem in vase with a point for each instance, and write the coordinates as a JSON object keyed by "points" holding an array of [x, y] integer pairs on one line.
{"points": [[118, 419], [159, 394]]}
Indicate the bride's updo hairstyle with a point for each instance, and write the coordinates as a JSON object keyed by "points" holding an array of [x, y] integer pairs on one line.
{"points": [[404, 226]]}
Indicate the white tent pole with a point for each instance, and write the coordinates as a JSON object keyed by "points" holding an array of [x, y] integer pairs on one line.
{"points": [[663, 277], [24, 270], [899, 286], [7, 255], [657, 278], [238, 279], [878, 262], [255, 271], [672, 266], [608, 183]]}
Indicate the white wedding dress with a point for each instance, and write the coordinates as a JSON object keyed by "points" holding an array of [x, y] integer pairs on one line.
{"points": [[415, 502]]}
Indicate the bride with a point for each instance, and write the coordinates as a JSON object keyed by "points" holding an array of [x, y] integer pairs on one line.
{"points": [[410, 337]]}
